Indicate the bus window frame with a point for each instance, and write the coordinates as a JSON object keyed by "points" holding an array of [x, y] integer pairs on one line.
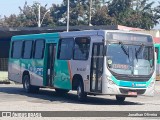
{"points": [[34, 48], [12, 50], [59, 48], [88, 38]]}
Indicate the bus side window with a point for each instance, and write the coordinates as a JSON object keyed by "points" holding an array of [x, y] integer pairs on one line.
{"points": [[39, 49], [65, 51], [16, 49], [81, 48], [27, 52]]}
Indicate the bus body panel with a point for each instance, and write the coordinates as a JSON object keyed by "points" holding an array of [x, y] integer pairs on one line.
{"points": [[62, 78], [157, 49], [14, 70], [35, 67], [81, 67], [113, 86]]}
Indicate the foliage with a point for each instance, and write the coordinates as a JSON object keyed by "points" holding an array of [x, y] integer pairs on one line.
{"points": [[133, 13]]}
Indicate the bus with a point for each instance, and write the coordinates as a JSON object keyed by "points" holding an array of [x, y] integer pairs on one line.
{"points": [[91, 62]]}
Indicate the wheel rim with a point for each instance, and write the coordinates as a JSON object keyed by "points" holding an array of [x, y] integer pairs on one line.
{"points": [[79, 91], [26, 84]]}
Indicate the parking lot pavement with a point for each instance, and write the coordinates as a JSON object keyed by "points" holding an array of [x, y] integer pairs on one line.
{"points": [[13, 98]]}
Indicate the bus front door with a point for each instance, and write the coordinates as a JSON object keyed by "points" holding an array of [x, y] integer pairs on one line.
{"points": [[96, 67], [50, 64]]}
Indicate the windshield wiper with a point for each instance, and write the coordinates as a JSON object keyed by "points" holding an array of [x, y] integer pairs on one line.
{"points": [[124, 49], [137, 52]]}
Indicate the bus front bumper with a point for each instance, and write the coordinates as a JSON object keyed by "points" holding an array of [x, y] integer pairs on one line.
{"points": [[111, 88]]}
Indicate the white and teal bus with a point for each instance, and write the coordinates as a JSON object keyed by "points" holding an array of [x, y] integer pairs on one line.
{"points": [[92, 62]]}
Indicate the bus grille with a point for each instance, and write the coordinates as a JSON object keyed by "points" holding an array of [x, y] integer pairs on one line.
{"points": [[134, 78]]}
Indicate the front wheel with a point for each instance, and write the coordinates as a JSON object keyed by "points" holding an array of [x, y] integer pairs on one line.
{"points": [[80, 92], [120, 98]]}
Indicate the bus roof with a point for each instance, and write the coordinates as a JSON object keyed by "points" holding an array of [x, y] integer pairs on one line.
{"points": [[95, 32], [35, 36], [71, 34]]}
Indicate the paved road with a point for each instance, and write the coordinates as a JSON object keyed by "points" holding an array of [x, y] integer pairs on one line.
{"points": [[12, 97]]}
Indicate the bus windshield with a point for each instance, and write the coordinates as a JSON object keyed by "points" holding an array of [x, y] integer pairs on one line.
{"points": [[130, 59]]}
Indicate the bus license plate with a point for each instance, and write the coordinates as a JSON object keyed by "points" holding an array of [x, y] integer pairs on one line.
{"points": [[132, 93]]}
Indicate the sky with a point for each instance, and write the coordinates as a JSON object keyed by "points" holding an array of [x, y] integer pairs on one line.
{"points": [[8, 7]]}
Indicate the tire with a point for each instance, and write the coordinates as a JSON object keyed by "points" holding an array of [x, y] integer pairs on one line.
{"points": [[80, 92], [26, 83], [61, 91], [27, 86], [120, 98]]}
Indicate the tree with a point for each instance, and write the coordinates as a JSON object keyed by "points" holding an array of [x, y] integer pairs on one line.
{"points": [[56, 13], [133, 13], [101, 17], [78, 12], [157, 14], [29, 15], [11, 21]]}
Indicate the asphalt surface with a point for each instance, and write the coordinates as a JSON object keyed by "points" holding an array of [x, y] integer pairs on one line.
{"points": [[14, 98]]}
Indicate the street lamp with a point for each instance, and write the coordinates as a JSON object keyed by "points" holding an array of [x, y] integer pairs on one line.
{"points": [[67, 15], [39, 15], [90, 13]]}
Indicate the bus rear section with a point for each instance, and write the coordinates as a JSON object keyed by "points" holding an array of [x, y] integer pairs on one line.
{"points": [[31, 60]]}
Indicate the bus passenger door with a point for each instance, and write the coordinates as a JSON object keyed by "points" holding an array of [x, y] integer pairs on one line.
{"points": [[96, 67], [50, 63]]}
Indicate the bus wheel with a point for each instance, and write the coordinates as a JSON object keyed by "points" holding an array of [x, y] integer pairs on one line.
{"points": [[28, 87], [120, 98], [26, 83], [80, 92], [61, 91]]}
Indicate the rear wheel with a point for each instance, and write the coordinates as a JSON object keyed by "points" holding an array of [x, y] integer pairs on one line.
{"points": [[27, 86], [26, 83], [120, 98], [80, 92]]}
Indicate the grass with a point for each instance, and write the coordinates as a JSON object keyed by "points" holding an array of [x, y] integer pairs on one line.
{"points": [[4, 77]]}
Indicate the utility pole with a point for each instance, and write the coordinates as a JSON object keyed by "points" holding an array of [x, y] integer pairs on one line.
{"points": [[39, 15], [68, 15], [90, 13]]}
